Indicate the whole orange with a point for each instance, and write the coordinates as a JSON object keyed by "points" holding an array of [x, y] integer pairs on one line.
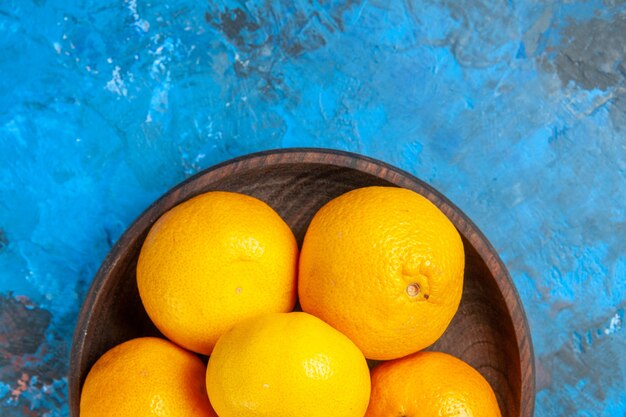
{"points": [[146, 377], [429, 384], [287, 365], [213, 260], [384, 266]]}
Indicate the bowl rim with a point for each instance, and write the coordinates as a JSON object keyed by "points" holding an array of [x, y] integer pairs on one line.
{"points": [[340, 159]]}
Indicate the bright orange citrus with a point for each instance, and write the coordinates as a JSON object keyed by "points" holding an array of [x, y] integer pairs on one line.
{"points": [[384, 266], [287, 365], [146, 377], [428, 384], [213, 260]]}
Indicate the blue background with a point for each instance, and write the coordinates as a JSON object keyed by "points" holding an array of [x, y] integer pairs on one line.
{"points": [[515, 110]]}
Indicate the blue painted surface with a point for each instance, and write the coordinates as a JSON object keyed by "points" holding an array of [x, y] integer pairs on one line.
{"points": [[515, 110]]}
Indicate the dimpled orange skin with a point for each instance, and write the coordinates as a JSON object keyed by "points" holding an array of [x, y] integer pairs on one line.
{"points": [[146, 377], [213, 260], [430, 384], [384, 266], [287, 365]]}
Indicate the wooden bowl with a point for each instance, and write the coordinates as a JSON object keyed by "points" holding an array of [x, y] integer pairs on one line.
{"points": [[489, 331]]}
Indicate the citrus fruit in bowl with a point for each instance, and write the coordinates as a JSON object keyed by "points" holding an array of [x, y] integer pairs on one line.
{"points": [[301, 367], [486, 328], [384, 266], [230, 246]]}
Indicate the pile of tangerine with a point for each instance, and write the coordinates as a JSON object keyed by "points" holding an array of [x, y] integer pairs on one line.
{"points": [[288, 333]]}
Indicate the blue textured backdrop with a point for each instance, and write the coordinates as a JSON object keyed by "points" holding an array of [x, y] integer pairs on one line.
{"points": [[516, 110]]}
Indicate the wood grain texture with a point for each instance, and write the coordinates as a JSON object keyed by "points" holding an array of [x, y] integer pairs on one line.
{"points": [[490, 330]]}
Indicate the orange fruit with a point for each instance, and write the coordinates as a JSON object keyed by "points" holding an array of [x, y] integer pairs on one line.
{"points": [[384, 266], [146, 377], [213, 260], [287, 365], [429, 384]]}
